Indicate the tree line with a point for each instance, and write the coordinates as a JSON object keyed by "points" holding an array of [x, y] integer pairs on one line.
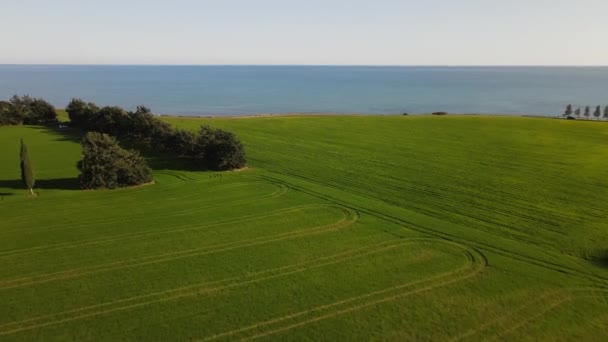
{"points": [[597, 113], [107, 165], [209, 148], [25, 110]]}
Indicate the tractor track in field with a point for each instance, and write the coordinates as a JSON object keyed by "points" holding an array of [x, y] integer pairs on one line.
{"points": [[447, 236], [207, 288], [556, 300], [280, 191], [474, 332], [476, 263], [347, 220], [155, 232]]}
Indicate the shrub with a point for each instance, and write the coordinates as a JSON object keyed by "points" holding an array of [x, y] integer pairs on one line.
{"points": [[182, 143], [219, 149], [107, 165], [440, 113]]}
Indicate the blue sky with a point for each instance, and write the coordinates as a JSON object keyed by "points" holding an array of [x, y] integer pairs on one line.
{"points": [[370, 32]]}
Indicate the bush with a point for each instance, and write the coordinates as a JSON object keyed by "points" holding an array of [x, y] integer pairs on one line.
{"points": [[107, 165], [219, 149], [440, 113]]}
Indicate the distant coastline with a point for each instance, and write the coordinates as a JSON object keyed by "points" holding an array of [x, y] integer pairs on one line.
{"points": [[241, 90]]}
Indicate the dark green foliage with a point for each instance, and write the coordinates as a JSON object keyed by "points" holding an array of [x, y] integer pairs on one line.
{"points": [[568, 111], [27, 110], [577, 112], [112, 120], [81, 113], [41, 113], [606, 112], [8, 115], [587, 111], [27, 172], [183, 143], [220, 149], [107, 165], [209, 148], [598, 112]]}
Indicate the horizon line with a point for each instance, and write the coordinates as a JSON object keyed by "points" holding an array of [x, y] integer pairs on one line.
{"points": [[319, 65]]}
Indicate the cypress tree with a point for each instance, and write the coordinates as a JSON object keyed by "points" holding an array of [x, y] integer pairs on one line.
{"points": [[27, 173], [587, 111], [568, 111], [578, 112], [606, 112], [597, 112]]}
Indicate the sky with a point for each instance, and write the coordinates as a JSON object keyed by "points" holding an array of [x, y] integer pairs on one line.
{"points": [[316, 32]]}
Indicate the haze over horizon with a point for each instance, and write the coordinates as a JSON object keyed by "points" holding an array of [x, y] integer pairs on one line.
{"points": [[315, 32]]}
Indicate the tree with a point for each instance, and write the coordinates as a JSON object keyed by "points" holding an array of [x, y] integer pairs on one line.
{"points": [[577, 112], [587, 111], [32, 111], [8, 115], [606, 112], [106, 165], [568, 111], [41, 113], [27, 173], [597, 112], [81, 113], [111, 120], [219, 149]]}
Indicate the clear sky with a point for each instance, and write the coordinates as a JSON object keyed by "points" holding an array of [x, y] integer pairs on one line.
{"points": [[363, 32]]}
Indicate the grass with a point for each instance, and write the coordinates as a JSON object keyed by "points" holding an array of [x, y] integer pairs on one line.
{"points": [[343, 228]]}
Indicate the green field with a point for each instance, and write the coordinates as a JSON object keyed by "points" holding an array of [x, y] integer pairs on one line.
{"points": [[342, 228]]}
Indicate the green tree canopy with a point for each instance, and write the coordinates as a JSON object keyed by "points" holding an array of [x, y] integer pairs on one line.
{"points": [[106, 165]]}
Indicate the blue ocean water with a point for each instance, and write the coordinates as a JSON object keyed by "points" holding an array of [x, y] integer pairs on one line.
{"points": [[242, 90]]}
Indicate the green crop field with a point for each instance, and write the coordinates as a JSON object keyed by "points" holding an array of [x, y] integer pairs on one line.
{"points": [[342, 228]]}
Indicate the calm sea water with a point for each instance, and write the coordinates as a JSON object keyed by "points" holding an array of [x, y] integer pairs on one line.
{"points": [[224, 90]]}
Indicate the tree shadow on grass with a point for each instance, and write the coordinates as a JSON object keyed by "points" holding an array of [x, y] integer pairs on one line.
{"points": [[43, 184], [598, 258], [155, 159]]}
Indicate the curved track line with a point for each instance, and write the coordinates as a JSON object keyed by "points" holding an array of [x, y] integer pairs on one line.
{"points": [[194, 290], [573, 295], [483, 327], [348, 219], [154, 232], [280, 191], [476, 263]]}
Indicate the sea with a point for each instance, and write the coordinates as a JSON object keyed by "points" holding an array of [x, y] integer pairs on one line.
{"points": [[252, 90]]}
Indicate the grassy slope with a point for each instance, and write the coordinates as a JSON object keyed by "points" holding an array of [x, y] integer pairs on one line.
{"points": [[345, 228]]}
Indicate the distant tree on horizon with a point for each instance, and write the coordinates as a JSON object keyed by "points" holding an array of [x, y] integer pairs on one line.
{"points": [[587, 111], [577, 112], [568, 111], [606, 112], [597, 112], [27, 172]]}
